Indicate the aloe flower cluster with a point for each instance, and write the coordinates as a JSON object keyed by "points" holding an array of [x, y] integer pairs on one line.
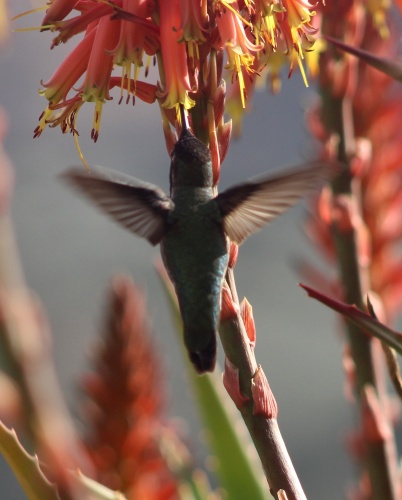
{"points": [[125, 401], [191, 41]]}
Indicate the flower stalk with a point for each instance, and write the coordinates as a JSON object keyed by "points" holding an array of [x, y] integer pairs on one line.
{"points": [[352, 233], [248, 387]]}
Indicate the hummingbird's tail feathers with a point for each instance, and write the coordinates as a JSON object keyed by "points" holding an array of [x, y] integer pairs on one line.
{"points": [[140, 207], [248, 207], [203, 359]]}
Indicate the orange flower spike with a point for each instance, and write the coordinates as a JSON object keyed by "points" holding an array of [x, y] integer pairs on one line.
{"points": [[174, 57], [238, 47], [96, 85]]}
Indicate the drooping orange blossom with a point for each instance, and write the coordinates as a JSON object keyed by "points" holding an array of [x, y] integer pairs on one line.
{"points": [[184, 35]]}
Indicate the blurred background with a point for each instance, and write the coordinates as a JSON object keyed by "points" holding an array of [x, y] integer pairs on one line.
{"points": [[70, 253]]}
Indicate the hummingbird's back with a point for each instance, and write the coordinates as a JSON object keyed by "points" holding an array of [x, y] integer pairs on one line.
{"points": [[195, 253]]}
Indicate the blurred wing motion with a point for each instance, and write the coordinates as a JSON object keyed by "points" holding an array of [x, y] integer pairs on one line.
{"points": [[246, 208], [140, 207]]}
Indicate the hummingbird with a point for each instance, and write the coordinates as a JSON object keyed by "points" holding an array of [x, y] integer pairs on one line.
{"points": [[194, 225]]}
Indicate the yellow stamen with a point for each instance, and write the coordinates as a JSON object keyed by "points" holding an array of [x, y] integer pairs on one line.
{"points": [[302, 71], [137, 70], [32, 11], [178, 115], [34, 28], [77, 145], [240, 78], [228, 6], [111, 4]]}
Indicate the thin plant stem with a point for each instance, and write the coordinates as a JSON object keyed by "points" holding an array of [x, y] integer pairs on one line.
{"points": [[258, 407]]}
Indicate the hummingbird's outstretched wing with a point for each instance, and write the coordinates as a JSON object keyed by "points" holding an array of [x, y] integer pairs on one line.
{"points": [[247, 207], [140, 207]]}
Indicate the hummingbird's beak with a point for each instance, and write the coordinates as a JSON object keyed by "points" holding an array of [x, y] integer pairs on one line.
{"points": [[185, 127]]}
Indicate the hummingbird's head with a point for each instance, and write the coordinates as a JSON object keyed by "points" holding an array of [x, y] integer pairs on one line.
{"points": [[191, 162]]}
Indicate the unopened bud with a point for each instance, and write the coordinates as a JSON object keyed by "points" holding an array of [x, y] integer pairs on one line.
{"points": [[350, 373], [230, 379], [229, 308], [360, 162], [264, 400], [224, 134], [342, 213], [325, 205], [375, 427], [219, 102], [233, 254], [246, 311]]}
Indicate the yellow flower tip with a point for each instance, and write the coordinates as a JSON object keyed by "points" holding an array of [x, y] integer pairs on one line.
{"points": [[27, 12], [242, 88], [43, 121], [236, 12], [173, 100], [302, 71]]}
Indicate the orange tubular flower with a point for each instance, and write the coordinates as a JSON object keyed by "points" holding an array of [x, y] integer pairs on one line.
{"points": [[192, 26], [58, 10], [96, 85], [89, 17], [238, 47], [134, 41], [174, 56]]}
